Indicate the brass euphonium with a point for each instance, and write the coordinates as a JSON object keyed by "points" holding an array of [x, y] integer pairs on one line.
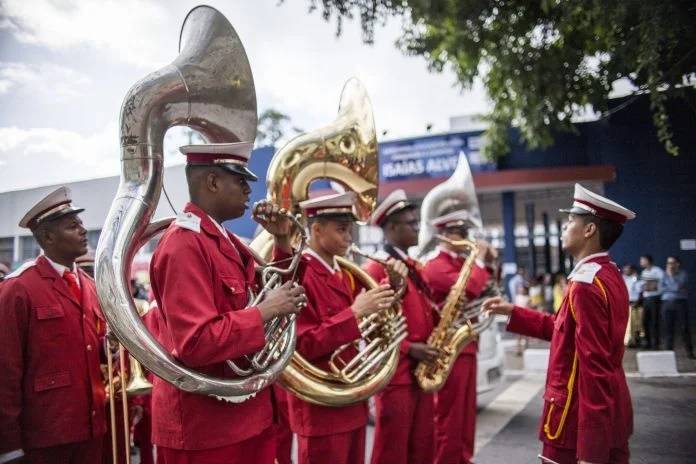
{"points": [[208, 87], [345, 152]]}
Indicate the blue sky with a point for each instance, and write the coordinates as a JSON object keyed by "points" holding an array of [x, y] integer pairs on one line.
{"points": [[66, 65]]}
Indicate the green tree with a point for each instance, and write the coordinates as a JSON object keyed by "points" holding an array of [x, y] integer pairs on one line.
{"points": [[543, 62], [272, 126]]}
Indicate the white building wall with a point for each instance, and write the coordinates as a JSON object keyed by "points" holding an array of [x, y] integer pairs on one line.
{"points": [[94, 195]]}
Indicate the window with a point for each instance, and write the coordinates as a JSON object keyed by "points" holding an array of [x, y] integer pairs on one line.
{"points": [[7, 250], [93, 238], [29, 248]]}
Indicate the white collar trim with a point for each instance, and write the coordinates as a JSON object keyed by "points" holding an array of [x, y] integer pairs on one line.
{"points": [[586, 259], [331, 269]]}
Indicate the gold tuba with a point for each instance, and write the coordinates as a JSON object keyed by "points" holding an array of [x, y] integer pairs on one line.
{"points": [[208, 87], [346, 152]]}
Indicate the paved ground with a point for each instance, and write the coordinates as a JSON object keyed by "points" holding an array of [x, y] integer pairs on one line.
{"points": [[664, 415], [664, 432]]}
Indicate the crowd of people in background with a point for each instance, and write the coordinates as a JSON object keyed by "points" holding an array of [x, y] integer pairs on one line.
{"points": [[659, 305], [658, 300]]}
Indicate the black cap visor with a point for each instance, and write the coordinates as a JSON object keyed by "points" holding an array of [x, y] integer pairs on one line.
{"points": [[58, 215], [241, 170]]}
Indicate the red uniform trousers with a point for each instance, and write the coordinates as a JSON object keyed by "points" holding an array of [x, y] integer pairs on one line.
{"points": [[404, 416], [404, 425], [455, 403], [569, 456], [84, 452], [259, 449], [455, 413], [283, 433], [337, 448]]}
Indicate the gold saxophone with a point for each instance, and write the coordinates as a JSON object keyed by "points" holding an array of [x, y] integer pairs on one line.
{"points": [[449, 337]]}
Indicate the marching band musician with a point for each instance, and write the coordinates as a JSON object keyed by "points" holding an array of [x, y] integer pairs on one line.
{"points": [[332, 435], [200, 275], [51, 396], [587, 416], [455, 403], [404, 412]]}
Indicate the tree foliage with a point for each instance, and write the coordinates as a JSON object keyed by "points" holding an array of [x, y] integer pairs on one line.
{"points": [[271, 127], [544, 62]]}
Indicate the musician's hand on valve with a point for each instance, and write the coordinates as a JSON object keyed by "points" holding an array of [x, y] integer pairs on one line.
{"points": [[423, 352], [289, 298], [373, 300], [397, 272], [272, 218], [497, 305]]}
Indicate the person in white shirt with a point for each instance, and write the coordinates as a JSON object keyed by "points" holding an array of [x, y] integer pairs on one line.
{"points": [[651, 277]]}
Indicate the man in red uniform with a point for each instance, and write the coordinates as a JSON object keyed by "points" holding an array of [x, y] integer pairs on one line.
{"points": [[200, 275], [51, 395], [404, 416], [455, 403], [587, 415], [331, 435]]}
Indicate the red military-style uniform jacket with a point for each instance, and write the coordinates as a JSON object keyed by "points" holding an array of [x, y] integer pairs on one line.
{"points": [[199, 279], [442, 272], [51, 392], [419, 313], [587, 404], [326, 323]]}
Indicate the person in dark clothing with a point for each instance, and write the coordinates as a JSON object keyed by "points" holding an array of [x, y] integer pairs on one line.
{"points": [[675, 310]]}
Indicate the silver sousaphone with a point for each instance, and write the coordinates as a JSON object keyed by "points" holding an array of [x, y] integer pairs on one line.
{"points": [[208, 87]]}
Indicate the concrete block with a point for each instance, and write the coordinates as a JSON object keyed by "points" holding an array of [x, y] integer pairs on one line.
{"points": [[657, 363], [536, 359]]}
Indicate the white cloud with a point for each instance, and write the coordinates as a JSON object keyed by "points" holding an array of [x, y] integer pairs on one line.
{"points": [[44, 80], [305, 78], [299, 68], [64, 156], [92, 151], [133, 30]]}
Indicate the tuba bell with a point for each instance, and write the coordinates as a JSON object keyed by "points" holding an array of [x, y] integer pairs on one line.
{"points": [[346, 152], [208, 87], [455, 193]]}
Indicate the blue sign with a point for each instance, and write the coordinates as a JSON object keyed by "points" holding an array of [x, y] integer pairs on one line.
{"points": [[432, 156]]}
